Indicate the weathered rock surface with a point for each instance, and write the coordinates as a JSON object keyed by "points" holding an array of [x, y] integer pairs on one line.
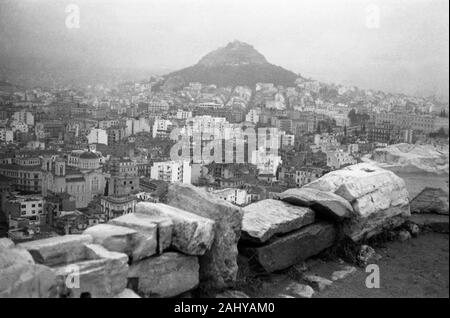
{"points": [[291, 249], [58, 250], [364, 228], [317, 282], [6, 243], [117, 239], [435, 222], [379, 198], [102, 275], [326, 204], [266, 218], [20, 277], [166, 275], [218, 266], [192, 234], [127, 293], [431, 200], [232, 294], [300, 290], [343, 273], [154, 233]]}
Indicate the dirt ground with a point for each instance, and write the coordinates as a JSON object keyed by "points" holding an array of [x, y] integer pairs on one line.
{"points": [[417, 268]]}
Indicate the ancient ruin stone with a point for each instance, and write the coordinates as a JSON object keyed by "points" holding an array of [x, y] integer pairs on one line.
{"points": [[166, 275], [218, 266], [20, 277], [431, 200], [290, 249], [325, 204], [58, 250], [102, 275], [192, 234], [266, 218], [154, 234]]}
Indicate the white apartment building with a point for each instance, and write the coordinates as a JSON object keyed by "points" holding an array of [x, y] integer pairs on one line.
{"points": [[286, 140], [161, 127], [24, 117], [6, 135], [97, 136], [337, 159], [238, 197], [182, 114], [171, 171], [253, 115]]}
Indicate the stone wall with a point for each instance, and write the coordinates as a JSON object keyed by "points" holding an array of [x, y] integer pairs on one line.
{"points": [[191, 240]]}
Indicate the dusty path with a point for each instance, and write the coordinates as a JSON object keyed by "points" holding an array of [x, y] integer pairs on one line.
{"points": [[416, 268]]}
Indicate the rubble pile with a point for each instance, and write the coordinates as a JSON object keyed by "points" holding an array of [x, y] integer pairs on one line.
{"points": [[358, 201]]}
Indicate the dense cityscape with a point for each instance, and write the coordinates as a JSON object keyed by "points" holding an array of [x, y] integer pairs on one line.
{"points": [[166, 185]]}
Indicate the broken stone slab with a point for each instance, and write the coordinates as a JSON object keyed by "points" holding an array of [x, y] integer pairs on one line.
{"points": [[123, 240], [232, 294], [116, 267], [317, 282], [290, 249], [166, 275], [218, 266], [300, 290], [325, 204], [379, 200], [343, 273], [20, 277], [154, 233], [366, 181], [27, 281], [192, 234], [104, 274], [114, 238], [127, 293], [431, 200], [366, 227], [58, 250], [6, 243], [267, 218], [435, 222], [333, 180]]}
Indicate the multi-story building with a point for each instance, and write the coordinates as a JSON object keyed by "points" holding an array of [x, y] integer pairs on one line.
{"points": [[114, 206], [30, 207], [97, 136], [124, 179], [339, 158], [82, 182], [238, 197], [171, 171]]}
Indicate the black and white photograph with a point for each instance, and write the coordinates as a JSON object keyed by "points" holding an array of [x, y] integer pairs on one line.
{"points": [[224, 156]]}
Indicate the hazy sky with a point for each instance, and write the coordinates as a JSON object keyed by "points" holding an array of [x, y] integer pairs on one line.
{"points": [[325, 39]]}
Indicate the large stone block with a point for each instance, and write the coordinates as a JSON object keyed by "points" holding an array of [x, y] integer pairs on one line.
{"points": [[58, 250], [379, 198], [267, 218], [431, 200], [102, 275], [325, 204], [192, 234], [285, 251], [154, 233], [218, 266], [120, 239], [365, 227], [166, 275], [20, 277]]}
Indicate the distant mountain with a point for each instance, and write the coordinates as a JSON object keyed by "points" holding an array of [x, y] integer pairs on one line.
{"points": [[237, 63]]}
